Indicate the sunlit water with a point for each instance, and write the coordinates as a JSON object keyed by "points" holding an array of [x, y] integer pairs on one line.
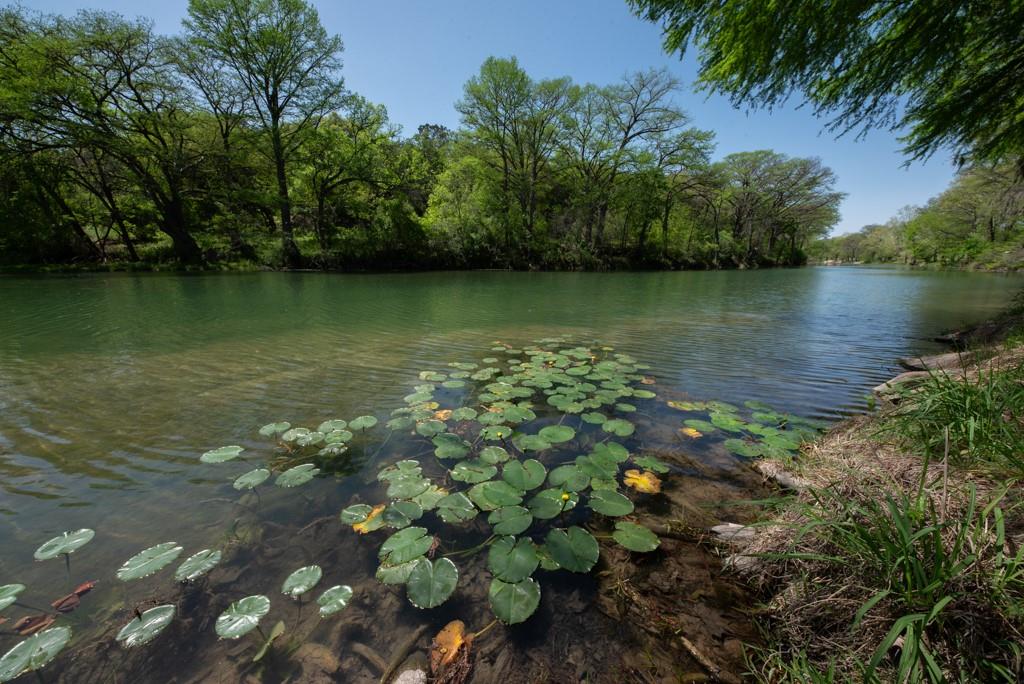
{"points": [[111, 386]]}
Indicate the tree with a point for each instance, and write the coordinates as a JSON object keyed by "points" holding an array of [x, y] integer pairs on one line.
{"points": [[951, 73], [285, 63]]}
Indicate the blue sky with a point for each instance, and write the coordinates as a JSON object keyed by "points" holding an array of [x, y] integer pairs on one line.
{"points": [[413, 56]]}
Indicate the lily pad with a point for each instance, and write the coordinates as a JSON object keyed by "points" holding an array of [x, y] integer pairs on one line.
{"points": [[574, 549], [473, 471], [594, 418], [726, 421], [556, 434], [618, 427], [9, 594], [609, 502], [251, 479], [335, 437], [635, 537], [405, 545], [407, 487], [299, 475], [148, 561], [651, 463], [495, 432], [431, 582], [612, 450], [332, 425], [362, 423], [400, 423], [274, 428], [489, 496], [600, 466], [396, 574], [301, 581], [569, 477], [743, 448], [356, 513], [702, 426], [429, 498], [431, 428], [514, 603], [221, 454], [242, 617], [197, 565], [551, 502], [334, 600], [456, 508], [449, 446], [493, 455], [464, 413], [294, 433], [512, 561], [34, 652], [510, 520], [65, 542], [524, 475], [532, 443], [146, 626], [311, 438]]}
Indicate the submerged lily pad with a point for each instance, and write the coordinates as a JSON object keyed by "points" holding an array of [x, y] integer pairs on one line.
{"points": [[65, 542], [512, 560], [574, 549], [251, 479], [510, 520], [148, 561], [221, 454], [197, 565], [743, 448], [301, 581], [514, 602], [334, 599], [431, 582], [9, 594], [146, 626], [34, 652], [651, 463], [635, 537], [299, 475], [242, 617]]}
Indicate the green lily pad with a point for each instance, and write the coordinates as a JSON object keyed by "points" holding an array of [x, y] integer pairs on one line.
{"points": [[743, 448], [197, 565], [493, 455], [242, 617], [464, 413], [301, 581], [598, 466], [294, 433], [221, 454], [405, 545], [334, 600], [651, 463], [362, 423], [610, 503], [644, 394], [146, 626], [532, 443], [489, 496], [622, 407], [431, 428], [299, 475], [396, 574], [449, 446], [727, 422], [551, 502], [431, 582], [574, 549], [700, 425], [9, 594], [612, 450], [456, 508], [569, 477], [34, 652], [510, 520], [271, 429], [618, 427], [332, 425], [473, 471], [594, 418], [251, 479], [407, 487], [429, 498], [556, 434], [311, 438], [148, 561], [355, 514], [400, 423], [335, 437], [64, 543], [514, 603], [635, 537], [524, 475], [495, 432], [512, 561]]}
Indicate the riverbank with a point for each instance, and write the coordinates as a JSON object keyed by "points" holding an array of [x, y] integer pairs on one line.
{"points": [[895, 554]]}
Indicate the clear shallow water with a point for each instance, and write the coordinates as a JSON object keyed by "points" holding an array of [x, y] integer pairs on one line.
{"points": [[111, 386]]}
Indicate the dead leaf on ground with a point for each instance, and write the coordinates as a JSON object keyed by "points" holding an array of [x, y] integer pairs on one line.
{"points": [[646, 481]]}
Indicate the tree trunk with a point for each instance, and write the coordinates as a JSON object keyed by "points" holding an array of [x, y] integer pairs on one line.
{"points": [[289, 250], [173, 224]]}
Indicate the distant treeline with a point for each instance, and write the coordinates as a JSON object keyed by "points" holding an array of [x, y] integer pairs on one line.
{"points": [[977, 222], [237, 141]]}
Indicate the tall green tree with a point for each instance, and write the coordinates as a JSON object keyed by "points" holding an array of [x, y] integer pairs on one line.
{"points": [[288, 67], [950, 73]]}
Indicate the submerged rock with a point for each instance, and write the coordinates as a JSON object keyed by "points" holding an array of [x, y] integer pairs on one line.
{"points": [[734, 533], [936, 361], [411, 677]]}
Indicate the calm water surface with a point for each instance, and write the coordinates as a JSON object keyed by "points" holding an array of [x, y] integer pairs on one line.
{"points": [[112, 385]]}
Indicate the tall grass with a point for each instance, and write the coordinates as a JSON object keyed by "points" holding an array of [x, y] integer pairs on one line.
{"points": [[978, 421]]}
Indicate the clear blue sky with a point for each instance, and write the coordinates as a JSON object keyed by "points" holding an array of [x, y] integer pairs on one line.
{"points": [[413, 56]]}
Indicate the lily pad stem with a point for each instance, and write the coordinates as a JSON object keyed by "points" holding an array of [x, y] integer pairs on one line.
{"points": [[484, 630], [471, 550]]}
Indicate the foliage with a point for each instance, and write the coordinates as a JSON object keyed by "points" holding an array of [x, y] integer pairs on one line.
{"points": [[947, 73]]}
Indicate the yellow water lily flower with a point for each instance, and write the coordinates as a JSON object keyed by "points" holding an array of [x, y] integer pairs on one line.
{"points": [[692, 432]]}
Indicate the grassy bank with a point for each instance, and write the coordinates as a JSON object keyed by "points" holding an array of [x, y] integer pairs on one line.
{"points": [[899, 555]]}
